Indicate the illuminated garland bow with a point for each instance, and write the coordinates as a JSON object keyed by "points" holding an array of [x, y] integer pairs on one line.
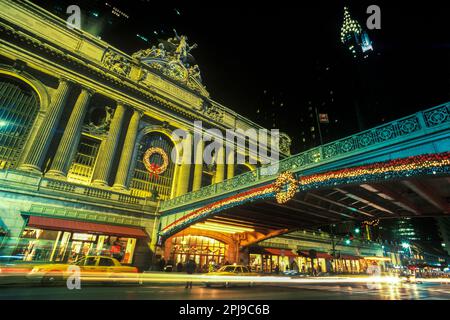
{"points": [[153, 168], [292, 183]]}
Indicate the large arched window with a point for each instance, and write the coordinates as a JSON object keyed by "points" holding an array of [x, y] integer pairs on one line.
{"points": [[142, 184], [18, 109]]}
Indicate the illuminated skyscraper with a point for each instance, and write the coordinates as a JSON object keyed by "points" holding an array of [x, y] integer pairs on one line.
{"points": [[354, 37]]}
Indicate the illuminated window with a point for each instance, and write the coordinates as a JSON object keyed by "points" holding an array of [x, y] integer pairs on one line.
{"points": [[18, 109], [203, 250], [83, 164]]}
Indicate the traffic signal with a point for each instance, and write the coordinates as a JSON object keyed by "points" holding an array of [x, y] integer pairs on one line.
{"points": [[349, 238], [357, 230]]}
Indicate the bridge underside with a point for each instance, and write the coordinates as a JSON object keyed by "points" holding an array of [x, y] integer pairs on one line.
{"points": [[366, 202]]}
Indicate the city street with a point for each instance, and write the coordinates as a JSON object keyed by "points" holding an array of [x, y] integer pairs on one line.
{"points": [[156, 150], [329, 291]]}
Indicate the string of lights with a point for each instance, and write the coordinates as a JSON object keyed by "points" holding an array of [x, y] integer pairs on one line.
{"points": [[394, 169]]}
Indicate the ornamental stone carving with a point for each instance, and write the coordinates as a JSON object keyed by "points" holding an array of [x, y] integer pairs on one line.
{"points": [[116, 63], [99, 120], [213, 113], [172, 59], [285, 143]]}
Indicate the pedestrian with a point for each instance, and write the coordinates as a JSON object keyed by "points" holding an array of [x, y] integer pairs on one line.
{"points": [[190, 269], [277, 269], [179, 267], [162, 264]]}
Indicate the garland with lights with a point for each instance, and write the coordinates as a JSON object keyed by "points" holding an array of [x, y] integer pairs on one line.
{"points": [[285, 178], [372, 223], [431, 164], [236, 200], [153, 168]]}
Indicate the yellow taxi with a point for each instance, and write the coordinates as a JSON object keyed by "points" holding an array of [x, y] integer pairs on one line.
{"points": [[230, 275], [92, 266]]}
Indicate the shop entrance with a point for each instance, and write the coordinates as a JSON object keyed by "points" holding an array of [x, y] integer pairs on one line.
{"points": [[206, 252]]}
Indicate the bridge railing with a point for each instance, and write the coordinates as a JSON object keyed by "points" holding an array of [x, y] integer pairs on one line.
{"points": [[380, 135]]}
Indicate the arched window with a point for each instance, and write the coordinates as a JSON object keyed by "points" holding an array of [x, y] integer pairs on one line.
{"points": [[142, 184], [18, 109]]}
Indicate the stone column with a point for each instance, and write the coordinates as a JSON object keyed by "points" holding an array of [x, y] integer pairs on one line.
{"points": [[198, 167], [127, 152], [71, 137], [230, 164], [220, 165], [185, 167], [107, 153], [173, 190], [38, 150]]}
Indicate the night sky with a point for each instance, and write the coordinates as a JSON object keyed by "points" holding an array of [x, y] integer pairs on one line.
{"points": [[294, 54]]}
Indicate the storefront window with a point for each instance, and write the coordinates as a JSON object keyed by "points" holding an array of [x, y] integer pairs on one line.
{"points": [[203, 250], [36, 244], [59, 246]]}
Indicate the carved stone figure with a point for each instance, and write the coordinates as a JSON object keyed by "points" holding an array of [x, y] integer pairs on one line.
{"points": [[116, 63], [214, 113], [182, 47], [285, 143], [172, 59], [99, 125], [194, 71]]}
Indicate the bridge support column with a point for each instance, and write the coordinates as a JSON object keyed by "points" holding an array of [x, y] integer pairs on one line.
{"points": [[109, 147]]}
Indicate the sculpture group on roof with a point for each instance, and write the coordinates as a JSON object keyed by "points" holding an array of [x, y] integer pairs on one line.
{"points": [[175, 50]]}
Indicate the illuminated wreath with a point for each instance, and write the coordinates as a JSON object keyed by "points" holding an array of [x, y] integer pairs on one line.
{"points": [[283, 179], [154, 168]]}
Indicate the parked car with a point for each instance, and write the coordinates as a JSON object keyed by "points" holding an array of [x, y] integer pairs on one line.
{"points": [[89, 266], [228, 271]]}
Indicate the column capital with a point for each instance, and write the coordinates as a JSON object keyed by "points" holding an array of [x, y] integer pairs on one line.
{"points": [[88, 90], [64, 79], [139, 112], [121, 103]]}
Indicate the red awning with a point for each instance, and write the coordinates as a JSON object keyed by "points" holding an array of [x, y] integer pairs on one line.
{"points": [[82, 226], [322, 255], [346, 257], [280, 252]]}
